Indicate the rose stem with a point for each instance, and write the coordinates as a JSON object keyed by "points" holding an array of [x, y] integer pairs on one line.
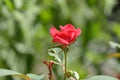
{"points": [[65, 65]]}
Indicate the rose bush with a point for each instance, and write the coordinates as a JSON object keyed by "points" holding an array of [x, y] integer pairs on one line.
{"points": [[66, 36]]}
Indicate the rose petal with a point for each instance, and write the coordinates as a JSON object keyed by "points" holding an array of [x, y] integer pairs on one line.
{"points": [[64, 35], [72, 36], [53, 31], [67, 27], [60, 40], [78, 31]]}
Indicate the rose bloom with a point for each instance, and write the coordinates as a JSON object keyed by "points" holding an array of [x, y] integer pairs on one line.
{"points": [[66, 36]]}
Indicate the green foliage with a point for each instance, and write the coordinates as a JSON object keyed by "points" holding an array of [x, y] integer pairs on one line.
{"points": [[57, 54], [4, 72], [35, 77], [73, 75], [102, 77], [114, 45]]}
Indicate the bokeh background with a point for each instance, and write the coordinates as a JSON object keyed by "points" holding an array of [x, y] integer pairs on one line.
{"points": [[25, 38]]}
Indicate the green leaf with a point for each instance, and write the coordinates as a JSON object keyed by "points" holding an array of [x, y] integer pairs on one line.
{"points": [[57, 54], [35, 77], [114, 44], [73, 75], [4, 72], [102, 77], [76, 75], [9, 4]]}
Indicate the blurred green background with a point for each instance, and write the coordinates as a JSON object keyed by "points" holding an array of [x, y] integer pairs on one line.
{"points": [[25, 38]]}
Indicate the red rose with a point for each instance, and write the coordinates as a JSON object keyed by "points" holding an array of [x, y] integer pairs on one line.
{"points": [[66, 36]]}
